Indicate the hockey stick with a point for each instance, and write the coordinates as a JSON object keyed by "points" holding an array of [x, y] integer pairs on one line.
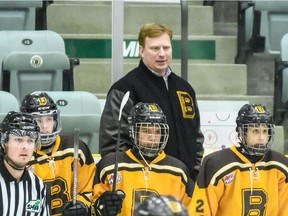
{"points": [[75, 165], [123, 102]]}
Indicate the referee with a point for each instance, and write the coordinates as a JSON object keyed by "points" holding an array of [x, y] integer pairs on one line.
{"points": [[21, 192]]}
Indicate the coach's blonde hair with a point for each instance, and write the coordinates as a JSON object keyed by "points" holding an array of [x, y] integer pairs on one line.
{"points": [[153, 30]]}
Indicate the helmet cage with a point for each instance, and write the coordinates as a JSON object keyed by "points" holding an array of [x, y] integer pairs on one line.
{"points": [[256, 150], [157, 133], [49, 138], [148, 118], [254, 115]]}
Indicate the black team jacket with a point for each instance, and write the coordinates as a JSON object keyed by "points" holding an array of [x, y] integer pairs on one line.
{"points": [[179, 104]]}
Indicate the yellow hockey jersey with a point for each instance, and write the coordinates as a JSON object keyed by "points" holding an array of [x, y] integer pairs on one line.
{"points": [[57, 172], [229, 184], [165, 176]]}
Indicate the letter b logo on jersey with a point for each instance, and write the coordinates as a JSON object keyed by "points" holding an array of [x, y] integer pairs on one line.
{"points": [[255, 203]]}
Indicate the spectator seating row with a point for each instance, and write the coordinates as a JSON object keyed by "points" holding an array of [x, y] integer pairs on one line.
{"points": [[263, 28], [261, 25], [32, 58], [79, 109]]}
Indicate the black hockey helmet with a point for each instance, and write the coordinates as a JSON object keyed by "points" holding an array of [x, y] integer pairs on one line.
{"points": [[161, 206], [19, 124], [251, 115], [38, 102], [147, 112], [148, 115], [39, 105]]}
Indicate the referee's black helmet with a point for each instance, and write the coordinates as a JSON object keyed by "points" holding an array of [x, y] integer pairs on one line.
{"points": [[20, 124]]}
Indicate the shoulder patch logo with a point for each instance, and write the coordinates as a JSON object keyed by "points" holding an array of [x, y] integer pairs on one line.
{"points": [[111, 178], [33, 206], [228, 179]]}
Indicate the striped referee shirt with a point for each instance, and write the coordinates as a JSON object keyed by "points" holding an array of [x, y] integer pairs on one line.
{"points": [[24, 198]]}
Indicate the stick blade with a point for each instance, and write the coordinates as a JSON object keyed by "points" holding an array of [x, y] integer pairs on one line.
{"points": [[123, 102]]}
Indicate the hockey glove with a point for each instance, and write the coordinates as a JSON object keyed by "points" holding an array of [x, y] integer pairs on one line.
{"points": [[108, 204], [80, 209]]}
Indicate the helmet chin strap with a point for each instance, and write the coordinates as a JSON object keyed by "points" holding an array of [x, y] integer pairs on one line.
{"points": [[12, 164]]}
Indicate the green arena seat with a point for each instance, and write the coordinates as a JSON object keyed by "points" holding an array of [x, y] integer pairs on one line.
{"points": [[33, 61], [8, 102], [19, 15]]}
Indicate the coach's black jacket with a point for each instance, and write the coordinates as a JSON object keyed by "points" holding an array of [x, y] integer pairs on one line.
{"points": [[178, 104]]}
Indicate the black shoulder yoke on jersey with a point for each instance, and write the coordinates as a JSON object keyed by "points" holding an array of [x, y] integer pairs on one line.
{"points": [[168, 164], [218, 164]]}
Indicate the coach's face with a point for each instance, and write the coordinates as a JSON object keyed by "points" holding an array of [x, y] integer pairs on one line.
{"points": [[157, 53]]}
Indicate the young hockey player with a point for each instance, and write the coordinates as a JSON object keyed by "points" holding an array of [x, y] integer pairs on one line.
{"points": [[249, 179], [54, 161], [144, 170]]}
